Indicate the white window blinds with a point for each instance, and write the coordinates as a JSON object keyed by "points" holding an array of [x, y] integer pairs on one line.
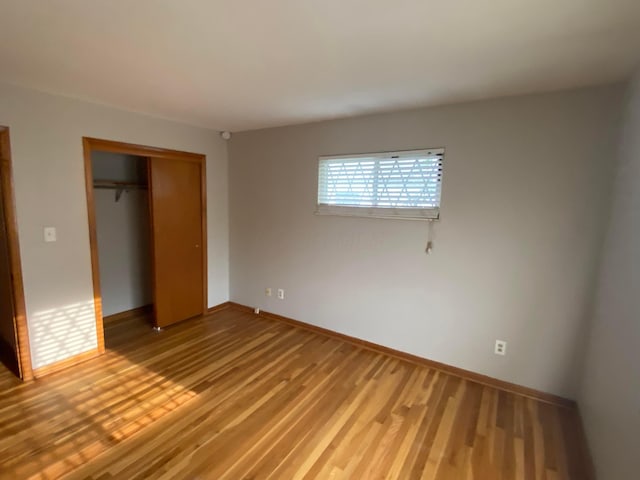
{"points": [[389, 185]]}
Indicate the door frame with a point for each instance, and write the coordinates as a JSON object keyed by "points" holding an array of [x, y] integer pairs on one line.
{"points": [[94, 144], [17, 286]]}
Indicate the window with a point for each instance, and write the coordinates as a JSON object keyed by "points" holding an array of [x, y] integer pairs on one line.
{"points": [[388, 185]]}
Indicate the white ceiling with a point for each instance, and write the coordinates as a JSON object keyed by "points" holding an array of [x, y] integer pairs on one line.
{"points": [[244, 64]]}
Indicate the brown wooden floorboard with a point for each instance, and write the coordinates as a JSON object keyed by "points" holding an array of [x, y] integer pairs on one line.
{"points": [[232, 396]]}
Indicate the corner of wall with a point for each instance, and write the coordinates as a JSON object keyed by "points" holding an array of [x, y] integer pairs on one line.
{"points": [[609, 392]]}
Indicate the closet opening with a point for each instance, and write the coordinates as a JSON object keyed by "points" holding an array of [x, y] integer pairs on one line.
{"points": [[123, 233], [148, 236]]}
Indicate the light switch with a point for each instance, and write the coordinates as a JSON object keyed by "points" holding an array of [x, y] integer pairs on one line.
{"points": [[49, 234]]}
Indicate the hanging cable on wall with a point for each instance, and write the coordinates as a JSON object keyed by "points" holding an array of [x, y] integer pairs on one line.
{"points": [[429, 247]]}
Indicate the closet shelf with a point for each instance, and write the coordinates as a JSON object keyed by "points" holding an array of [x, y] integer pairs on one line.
{"points": [[119, 187]]}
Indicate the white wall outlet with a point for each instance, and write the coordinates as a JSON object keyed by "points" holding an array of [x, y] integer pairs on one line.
{"points": [[50, 234], [501, 347], [256, 311], [281, 294], [267, 291]]}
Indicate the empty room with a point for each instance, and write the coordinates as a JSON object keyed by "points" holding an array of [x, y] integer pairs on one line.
{"points": [[344, 239]]}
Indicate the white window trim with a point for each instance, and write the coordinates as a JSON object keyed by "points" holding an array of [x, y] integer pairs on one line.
{"points": [[399, 213]]}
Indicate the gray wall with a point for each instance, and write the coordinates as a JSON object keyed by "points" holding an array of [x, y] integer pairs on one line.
{"points": [[46, 143], [610, 394], [124, 250], [525, 192]]}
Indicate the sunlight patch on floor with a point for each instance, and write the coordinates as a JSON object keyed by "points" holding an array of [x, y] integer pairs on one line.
{"points": [[106, 413]]}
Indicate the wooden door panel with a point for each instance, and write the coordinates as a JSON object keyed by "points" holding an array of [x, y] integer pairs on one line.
{"points": [[176, 212]]}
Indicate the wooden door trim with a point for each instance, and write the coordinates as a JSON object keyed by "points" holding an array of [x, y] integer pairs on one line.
{"points": [[141, 150], [203, 210], [95, 144], [10, 219], [88, 147]]}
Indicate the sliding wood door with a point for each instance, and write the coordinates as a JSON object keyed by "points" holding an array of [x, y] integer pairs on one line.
{"points": [[178, 222]]}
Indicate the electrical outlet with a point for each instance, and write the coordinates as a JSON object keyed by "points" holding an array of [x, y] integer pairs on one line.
{"points": [[50, 234], [281, 294], [267, 291], [501, 347]]}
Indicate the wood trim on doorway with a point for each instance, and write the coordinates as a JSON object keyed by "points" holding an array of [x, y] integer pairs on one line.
{"points": [[139, 150], [203, 209], [10, 219], [94, 144]]}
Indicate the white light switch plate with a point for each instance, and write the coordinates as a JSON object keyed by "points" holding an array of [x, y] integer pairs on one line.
{"points": [[49, 234]]}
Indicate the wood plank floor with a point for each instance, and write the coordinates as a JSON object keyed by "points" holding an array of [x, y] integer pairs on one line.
{"points": [[236, 396]]}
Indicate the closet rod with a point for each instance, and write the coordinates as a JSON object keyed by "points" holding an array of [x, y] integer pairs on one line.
{"points": [[114, 184], [119, 187]]}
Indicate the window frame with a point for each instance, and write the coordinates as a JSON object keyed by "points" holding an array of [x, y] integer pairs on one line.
{"points": [[403, 213]]}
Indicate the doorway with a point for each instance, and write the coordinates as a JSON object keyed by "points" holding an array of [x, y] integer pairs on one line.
{"points": [[123, 225], [14, 338], [147, 230]]}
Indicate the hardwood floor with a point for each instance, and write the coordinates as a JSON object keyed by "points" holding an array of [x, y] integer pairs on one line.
{"points": [[236, 396]]}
